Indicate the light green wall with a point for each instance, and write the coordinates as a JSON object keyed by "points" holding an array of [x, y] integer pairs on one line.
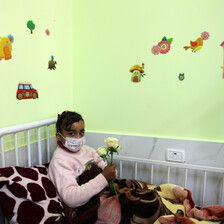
{"points": [[95, 43], [30, 56], [112, 36]]}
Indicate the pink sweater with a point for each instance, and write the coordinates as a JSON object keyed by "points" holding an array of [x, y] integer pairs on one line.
{"points": [[64, 169]]}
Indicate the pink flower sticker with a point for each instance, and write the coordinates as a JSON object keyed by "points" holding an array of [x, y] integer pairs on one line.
{"points": [[47, 31], [156, 49], [164, 46], [205, 35]]}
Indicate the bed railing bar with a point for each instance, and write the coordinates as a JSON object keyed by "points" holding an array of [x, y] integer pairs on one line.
{"points": [[23, 127], [16, 149], [168, 174], [185, 178], [48, 143], [39, 147], [120, 169], [28, 147], [136, 171], [204, 188], [171, 164], [222, 193], [152, 173], [2, 152]]}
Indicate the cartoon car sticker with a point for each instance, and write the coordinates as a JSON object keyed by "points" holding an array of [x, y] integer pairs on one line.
{"points": [[26, 91]]}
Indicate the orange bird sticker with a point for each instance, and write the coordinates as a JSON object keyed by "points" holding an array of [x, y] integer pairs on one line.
{"points": [[198, 43]]}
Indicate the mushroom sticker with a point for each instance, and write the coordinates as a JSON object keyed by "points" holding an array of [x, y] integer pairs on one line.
{"points": [[6, 47], [163, 47], [137, 72]]}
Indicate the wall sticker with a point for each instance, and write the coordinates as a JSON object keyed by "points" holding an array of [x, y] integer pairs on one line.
{"points": [[6, 47], [30, 25], [52, 63], [181, 76], [137, 73], [222, 45], [47, 31], [163, 47], [26, 91], [198, 43]]}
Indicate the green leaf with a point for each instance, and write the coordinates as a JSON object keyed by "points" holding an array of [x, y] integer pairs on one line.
{"points": [[164, 38], [170, 40]]}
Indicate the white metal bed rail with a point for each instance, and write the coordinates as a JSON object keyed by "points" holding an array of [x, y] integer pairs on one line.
{"points": [[26, 127], [186, 167]]}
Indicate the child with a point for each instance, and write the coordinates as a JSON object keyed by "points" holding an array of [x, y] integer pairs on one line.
{"points": [[70, 160]]}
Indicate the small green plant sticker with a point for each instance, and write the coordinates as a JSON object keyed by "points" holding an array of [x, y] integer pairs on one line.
{"points": [[30, 25]]}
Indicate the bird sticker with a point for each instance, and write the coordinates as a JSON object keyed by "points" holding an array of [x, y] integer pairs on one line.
{"points": [[198, 43], [137, 72], [6, 47]]}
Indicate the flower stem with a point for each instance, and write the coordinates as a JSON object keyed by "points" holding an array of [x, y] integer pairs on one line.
{"points": [[112, 186], [112, 153]]}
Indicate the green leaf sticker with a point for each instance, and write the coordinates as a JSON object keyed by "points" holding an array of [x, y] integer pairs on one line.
{"points": [[170, 40], [164, 38]]}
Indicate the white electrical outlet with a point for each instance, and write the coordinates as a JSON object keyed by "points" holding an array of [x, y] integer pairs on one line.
{"points": [[175, 155]]}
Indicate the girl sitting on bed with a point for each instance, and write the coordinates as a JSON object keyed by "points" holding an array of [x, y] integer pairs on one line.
{"points": [[70, 160]]}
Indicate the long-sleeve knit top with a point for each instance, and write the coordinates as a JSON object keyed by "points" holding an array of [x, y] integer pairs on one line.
{"points": [[64, 169]]}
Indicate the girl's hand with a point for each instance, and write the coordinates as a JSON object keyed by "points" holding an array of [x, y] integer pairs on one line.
{"points": [[109, 172]]}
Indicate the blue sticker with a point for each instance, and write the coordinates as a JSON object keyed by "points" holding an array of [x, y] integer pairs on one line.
{"points": [[181, 76]]}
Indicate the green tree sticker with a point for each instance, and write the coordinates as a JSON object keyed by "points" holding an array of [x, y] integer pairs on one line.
{"points": [[31, 26]]}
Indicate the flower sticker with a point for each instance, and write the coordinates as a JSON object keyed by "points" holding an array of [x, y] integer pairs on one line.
{"points": [[156, 49], [47, 31], [163, 46], [205, 35], [181, 76]]}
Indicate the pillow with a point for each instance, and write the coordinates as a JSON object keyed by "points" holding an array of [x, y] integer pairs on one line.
{"points": [[28, 196]]}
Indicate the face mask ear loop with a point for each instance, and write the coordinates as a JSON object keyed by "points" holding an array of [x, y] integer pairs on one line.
{"points": [[61, 135]]}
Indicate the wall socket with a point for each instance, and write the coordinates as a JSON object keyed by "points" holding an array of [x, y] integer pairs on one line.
{"points": [[175, 155]]}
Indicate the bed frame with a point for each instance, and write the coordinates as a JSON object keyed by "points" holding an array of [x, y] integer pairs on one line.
{"points": [[193, 177]]}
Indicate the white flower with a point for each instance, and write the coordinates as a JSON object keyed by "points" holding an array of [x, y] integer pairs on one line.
{"points": [[102, 151], [111, 142], [118, 147]]}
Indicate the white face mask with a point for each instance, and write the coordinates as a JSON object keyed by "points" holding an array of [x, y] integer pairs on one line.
{"points": [[73, 144]]}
